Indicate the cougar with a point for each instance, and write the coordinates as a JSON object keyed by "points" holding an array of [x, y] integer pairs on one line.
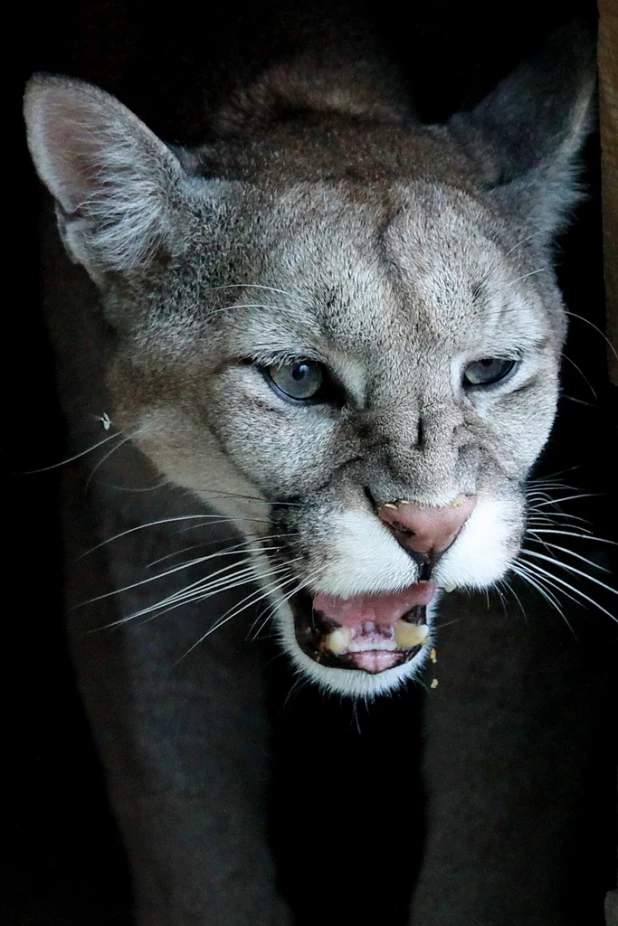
{"points": [[318, 354]]}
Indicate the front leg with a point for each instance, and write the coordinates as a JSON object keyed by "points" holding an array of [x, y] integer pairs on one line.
{"points": [[184, 741], [517, 785]]}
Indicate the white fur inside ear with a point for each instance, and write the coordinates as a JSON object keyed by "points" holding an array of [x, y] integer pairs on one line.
{"points": [[113, 179]]}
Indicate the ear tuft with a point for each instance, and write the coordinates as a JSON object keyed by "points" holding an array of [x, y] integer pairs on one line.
{"points": [[115, 183]]}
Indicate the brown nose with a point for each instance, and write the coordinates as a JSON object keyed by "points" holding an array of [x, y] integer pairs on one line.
{"points": [[424, 529]]}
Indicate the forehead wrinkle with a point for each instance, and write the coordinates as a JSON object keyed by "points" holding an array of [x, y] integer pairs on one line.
{"points": [[276, 327], [516, 316], [281, 328], [434, 212], [460, 295]]}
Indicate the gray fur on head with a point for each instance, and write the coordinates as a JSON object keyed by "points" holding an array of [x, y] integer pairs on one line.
{"points": [[392, 253]]}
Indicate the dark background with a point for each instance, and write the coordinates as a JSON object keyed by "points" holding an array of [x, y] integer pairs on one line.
{"points": [[68, 865]]}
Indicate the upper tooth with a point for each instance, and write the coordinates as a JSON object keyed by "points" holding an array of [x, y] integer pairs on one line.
{"points": [[410, 635], [338, 640], [449, 588]]}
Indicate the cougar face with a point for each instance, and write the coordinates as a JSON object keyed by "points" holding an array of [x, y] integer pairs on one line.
{"points": [[342, 332]]}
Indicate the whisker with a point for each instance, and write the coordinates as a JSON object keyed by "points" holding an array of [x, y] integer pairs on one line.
{"points": [[247, 305], [83, 453], [555, 546], [242, 606], [522, 242], [515, 247], [296, 687], [541, 587], [572, 398], [106, 457], [227, 584], [271, 289], [185, 593], [557, 473], [597, 329], [568, 498], [585, 379], [533, 505], [528, 569], [135, 489], [193, 546], [587, 536], [232, 519], [189, 593], [447, 623], [526, 275], [206, 543], [570, 568], [536, 583], [205, 585], [544, 490], [500, 595], [511, 591], [271, 587], [299, 587], [184, 517], [214, 493], [576, 591], [554, 517], [161, 575]]}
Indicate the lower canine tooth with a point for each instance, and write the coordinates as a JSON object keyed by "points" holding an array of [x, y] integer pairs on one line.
{"points": [[410, 635], [338, 640]]}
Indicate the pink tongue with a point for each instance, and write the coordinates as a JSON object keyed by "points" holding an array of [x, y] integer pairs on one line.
{"points": [[385, 609]]}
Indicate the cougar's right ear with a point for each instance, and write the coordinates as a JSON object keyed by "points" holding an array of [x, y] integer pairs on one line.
{"points": [[117, 187], [526, 136]]}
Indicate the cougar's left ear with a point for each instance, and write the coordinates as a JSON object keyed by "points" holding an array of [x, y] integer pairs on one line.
{"points": [[529, 131]]}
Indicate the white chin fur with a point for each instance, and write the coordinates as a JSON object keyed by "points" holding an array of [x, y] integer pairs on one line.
{"points": [[365, 558], [483, 552]]}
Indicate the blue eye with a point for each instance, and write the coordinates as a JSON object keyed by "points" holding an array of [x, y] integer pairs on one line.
{"points": [[301, 380], [488, 371]]}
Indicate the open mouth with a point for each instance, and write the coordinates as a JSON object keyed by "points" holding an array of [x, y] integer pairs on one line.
{"points": [[366, 632]]}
